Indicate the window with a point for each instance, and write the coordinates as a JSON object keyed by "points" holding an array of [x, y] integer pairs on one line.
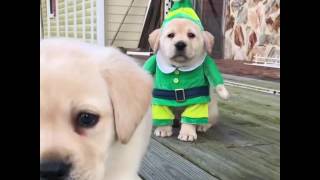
{"points": [[51, 8]]}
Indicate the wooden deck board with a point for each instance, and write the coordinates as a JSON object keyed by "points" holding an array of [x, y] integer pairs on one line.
{"points": [[160, 163], [252, 106], [230, 154], [245, 144], [251, 129]]}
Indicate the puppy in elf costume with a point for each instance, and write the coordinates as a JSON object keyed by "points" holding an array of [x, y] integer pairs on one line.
{"points": [[183, 73]]}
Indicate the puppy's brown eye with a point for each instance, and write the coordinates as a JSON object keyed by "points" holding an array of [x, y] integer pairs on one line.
{"points": [[87, 120], [191, 35], [171, 35]]}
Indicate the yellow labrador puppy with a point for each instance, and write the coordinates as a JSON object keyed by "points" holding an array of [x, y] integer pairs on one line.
{"points": [[93, 104], [194, 50]]}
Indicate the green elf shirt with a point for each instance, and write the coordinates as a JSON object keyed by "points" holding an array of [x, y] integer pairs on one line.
{"points": [[204, 74]]}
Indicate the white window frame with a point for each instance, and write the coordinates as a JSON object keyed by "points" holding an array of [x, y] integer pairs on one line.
{"points": [[51, 14]]}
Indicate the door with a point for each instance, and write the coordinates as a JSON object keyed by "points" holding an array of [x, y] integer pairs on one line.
{"points": [[211, 14]]}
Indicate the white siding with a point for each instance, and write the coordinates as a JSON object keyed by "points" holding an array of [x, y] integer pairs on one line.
{"points": [[41, 33], [75, 19]]}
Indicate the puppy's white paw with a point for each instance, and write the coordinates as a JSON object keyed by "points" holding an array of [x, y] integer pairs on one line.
{"points": [[222, 92], [163, 131], [188, 132], [203, 128]]}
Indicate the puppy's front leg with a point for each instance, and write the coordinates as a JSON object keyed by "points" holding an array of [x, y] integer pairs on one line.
{"points": [[222, 92], [163, 131], [187, 132]]}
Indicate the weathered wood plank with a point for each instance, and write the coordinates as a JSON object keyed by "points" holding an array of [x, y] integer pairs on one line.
{"points": [[229, 154], [160, 163], [252, 129], [246, 142], [244, 147], [252, 106]]}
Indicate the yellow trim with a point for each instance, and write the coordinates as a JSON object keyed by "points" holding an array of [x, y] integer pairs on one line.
{"points": [[188, 11], [193, 111], [196, 111], [161, 112]]}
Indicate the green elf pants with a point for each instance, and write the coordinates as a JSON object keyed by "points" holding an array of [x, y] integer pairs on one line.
{"points": [[193, 114]]}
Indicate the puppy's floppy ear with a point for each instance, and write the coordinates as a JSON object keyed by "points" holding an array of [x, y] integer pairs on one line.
{"points": [[154, 39], [130, 89], [208, 41]]}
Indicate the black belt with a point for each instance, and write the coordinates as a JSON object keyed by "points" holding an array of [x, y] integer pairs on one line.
{"points": [[181, 94]]}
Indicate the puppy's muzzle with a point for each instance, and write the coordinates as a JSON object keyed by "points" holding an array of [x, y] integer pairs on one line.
{"points": [[181, 46], [54, 170]]}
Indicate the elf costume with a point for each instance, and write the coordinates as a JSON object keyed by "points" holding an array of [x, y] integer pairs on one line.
{"points": [[185, 86]]}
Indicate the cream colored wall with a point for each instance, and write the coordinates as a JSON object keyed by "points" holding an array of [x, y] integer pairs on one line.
{"points": [[130, 31]]}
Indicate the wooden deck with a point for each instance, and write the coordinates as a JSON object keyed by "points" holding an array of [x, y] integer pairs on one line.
{"points": [[244, 145]]}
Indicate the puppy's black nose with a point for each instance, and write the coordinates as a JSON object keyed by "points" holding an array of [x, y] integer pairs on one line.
{"points": [[180, 45], [54, 170]]}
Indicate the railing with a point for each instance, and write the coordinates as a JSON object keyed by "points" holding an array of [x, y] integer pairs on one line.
{"points": [[265, 61], [252, 87]]}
